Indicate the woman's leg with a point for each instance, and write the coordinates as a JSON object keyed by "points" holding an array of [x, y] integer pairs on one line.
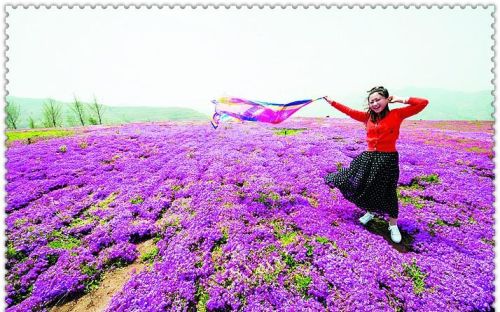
{"points": [[393, 221]]}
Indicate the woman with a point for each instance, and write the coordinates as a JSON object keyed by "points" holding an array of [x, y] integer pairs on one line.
{"points": [[371, 180]]}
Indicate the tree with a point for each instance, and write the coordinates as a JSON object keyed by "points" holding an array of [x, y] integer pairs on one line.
{"points": [[52, 113], [31, 122], [79, 109], [98, 110], [92, 121], [12, 111]]}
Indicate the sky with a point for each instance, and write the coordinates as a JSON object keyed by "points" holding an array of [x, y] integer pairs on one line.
{"points": [[187, 57]]}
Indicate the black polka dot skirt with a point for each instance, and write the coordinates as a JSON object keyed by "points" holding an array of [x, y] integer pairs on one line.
{"points": [[370, 182]]}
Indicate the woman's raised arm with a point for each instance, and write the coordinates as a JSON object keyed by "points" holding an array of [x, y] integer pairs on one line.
{"points": [[354, 114], [415, 106]]}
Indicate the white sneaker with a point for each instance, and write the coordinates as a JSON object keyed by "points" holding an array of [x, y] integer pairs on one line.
{"points": [[395, 235], [366, 218]]}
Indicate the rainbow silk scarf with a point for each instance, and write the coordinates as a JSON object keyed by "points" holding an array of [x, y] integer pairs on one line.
{"points": [[229, 108]]}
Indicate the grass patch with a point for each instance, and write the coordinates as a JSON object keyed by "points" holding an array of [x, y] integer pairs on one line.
{"points": [[416, 275], [79, 222], [104, 204], [94, 277], [13, 253], [20, 295], [476, 149], [270, 199], [269, 273], [150, 255], [417, 202], [302, 282], [289, 260], [137, 200], [488, 241], [202, 298], [31, 135], [62, 241], [322, 240], [310, 250], [216, 256], [432, 178], [440, 222], [288, 131], [216, 250], [63, 149], [176, 188], [221, 241], [288, 238], [285, 237]]}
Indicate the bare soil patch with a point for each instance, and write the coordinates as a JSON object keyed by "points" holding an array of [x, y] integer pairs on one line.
{"points": [[112, 282]]}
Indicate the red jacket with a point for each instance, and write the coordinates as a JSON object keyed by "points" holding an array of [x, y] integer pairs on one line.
{"points": [[382, 136]]}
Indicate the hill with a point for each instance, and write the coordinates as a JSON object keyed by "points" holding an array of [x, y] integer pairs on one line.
{"points": [[112, 114]]}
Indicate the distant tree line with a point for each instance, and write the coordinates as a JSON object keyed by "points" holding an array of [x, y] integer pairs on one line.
{"points": [[52, 115]]}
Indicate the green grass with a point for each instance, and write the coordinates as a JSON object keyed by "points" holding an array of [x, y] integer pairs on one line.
{"points": [[150, 255], [415, 201], [322, 240], [13, 253], [268, 199], [137, 200], [94, 277], [289, 260], [455, 223], [287, 131], [310, 250], [416, 275], [62, 241], [285, 237], [63, 148], [432, 178], [202, 297], [302, 282], [36, 134], [288, 238], [79, 222]]}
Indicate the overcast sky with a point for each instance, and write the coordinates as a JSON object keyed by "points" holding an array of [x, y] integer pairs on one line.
{"points": [[187, 57]]}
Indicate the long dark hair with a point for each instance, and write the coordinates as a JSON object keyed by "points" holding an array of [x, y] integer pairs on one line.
{"points": [[374, 117]]}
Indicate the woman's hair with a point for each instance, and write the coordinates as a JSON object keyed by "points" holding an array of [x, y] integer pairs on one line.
{"points": [[383, 92]]}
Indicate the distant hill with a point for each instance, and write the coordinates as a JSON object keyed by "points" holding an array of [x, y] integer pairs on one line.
{"points": [[443, 104], [112, 114]]}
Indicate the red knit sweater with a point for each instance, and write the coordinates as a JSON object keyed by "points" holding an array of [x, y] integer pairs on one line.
{"points": [[382, 136]]}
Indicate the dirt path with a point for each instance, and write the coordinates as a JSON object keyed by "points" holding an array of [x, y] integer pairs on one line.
{"points": [[112, 282]]}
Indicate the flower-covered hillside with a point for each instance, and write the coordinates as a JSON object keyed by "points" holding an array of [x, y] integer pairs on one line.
{"points": [[242, 220]]}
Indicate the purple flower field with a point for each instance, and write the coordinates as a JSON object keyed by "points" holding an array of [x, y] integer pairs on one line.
{"points": [[242, 219]]}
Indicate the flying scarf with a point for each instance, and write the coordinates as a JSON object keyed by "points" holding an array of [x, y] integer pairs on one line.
{"points": [[228, 108]]}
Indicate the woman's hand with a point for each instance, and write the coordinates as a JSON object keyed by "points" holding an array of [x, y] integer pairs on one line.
{"points": [[395, 99]]}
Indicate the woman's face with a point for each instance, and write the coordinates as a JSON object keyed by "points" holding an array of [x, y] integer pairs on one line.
{"points": [[377, 102]]}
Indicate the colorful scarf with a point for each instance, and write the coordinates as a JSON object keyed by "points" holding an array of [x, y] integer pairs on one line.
{"points": [[227, 108]]}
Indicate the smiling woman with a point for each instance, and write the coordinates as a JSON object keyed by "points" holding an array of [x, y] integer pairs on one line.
{"points": [[371, 180]]}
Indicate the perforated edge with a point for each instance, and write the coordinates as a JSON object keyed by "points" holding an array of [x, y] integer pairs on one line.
{"points": [[10, 6], [244, 5]]}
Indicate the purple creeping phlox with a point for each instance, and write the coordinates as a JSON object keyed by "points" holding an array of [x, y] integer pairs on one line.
{"points": [[242, 220]]}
